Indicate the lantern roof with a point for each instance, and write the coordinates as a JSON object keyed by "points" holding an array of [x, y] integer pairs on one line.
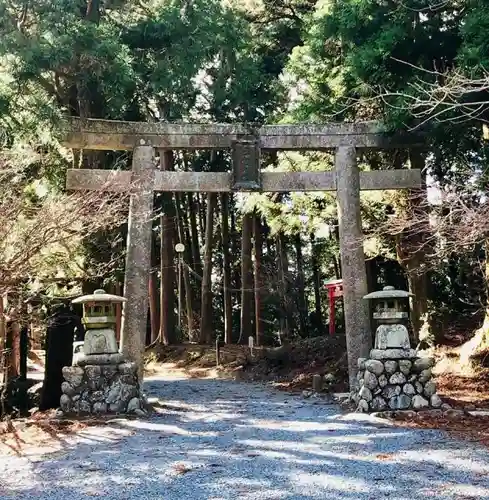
{"points": [[388, 292], [99, 296]]}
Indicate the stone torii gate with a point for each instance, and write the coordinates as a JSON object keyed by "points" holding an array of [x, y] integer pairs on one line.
{"points": [[245, 143]]}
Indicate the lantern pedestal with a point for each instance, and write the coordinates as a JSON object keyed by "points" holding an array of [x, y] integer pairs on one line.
{"points": [[101, 381], [101, 389], [395, 379]]}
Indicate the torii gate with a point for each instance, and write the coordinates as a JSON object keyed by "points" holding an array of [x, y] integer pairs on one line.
{"points": [[245, 143]]}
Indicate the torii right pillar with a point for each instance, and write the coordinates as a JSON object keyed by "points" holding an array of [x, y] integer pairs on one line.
{"points": [[354, 274]]}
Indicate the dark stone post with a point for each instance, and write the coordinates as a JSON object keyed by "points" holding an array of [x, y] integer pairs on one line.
{"points": [[354, 274], [138, 256], [59, 353]]}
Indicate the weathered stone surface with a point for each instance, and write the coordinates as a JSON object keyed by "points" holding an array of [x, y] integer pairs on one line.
{"points": [[392, 337], [397, 378], [65, 403], [445, 407], [419, 387], [435, 401], [100, 359], [134, 404], [374, 366], [361, 363], [383, 381], [100, 407], [429, 389], [409, 389], [138, 255], [390, 391], [378, 404], [73, 375], [425, 376], [118, 407], [93, 371], [84, 406], [421, 364], [128, 379], [109, 371], [68, 389], [382, 354], [115, 135], [317, 383], [362, 406], [405, 366], [100, 341], [96, 396], [370, 380], [113, 393], [401, 402], [412, 379], [365, 393], [419, 402], [354, 397], [127, 368], [390, 366], [128, 392]]}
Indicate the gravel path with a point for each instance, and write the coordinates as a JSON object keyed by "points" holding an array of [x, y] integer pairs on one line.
{"points": [[216, 439]]}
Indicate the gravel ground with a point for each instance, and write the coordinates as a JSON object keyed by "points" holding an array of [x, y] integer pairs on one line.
{"points": [[214, 439]]}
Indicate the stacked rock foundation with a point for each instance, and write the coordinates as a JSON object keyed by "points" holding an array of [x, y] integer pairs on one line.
{"points": [[395, 379], [101, 389]]}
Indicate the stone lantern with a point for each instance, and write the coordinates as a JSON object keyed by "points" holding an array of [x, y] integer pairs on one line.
{"points": [[394, 377], [101, 380], [99, 319], [391, 314]]}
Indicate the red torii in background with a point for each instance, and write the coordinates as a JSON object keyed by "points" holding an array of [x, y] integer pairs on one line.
{"points": [[335, 290]]}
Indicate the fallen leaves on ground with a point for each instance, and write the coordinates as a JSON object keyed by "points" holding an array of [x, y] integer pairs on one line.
{"points": [[181, 468], [466, 426], [42, 431]]}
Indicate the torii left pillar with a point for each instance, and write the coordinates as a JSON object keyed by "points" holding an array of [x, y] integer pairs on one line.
{"points": [[138, 256]]}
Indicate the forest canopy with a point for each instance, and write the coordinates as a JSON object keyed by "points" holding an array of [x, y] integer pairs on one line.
{"points": [[253, 264]]}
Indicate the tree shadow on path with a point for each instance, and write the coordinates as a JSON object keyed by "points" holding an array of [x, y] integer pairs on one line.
{"points": [[214, 439]]}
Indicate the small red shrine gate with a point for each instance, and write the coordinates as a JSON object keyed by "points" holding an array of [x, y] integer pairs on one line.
{"points": [[335, 290]]}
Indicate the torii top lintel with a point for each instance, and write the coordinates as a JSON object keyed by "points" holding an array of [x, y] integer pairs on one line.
{"points": [[97, 134]]}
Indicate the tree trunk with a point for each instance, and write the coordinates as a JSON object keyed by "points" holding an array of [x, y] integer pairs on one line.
{"points": [[316, 278], [475, 351], [183, 237], [283, 286], [202, 216], [411, 255], [226, 270], [153, 306], [301, 302], [167, 288], [246, 279], [235, 272], [206, 307], [258, 243], [193, 211]]}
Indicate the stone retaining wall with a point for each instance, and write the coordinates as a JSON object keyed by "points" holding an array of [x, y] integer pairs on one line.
{"points": [[396, 384], [101, 389]]}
